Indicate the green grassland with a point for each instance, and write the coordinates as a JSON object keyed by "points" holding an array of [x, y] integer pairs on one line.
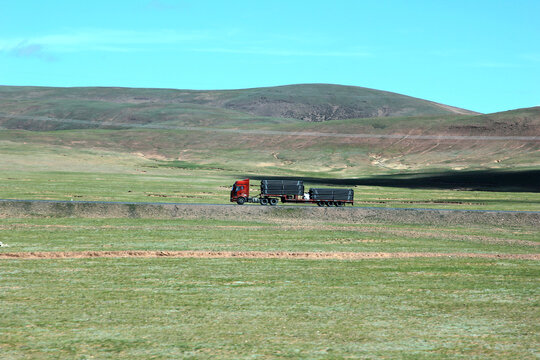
{"points": [[231, 309], [73, 234], [55, 172], [136, 145], [266, 308]]}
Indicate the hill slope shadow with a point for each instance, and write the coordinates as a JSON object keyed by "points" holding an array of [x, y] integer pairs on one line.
{"points": [[481, 180]]}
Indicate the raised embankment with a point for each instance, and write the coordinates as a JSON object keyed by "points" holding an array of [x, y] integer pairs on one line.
{"points": [[84, 209]]}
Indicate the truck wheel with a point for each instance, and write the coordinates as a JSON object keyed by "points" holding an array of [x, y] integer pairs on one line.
{"points": [[263, 201], [339, 204], [241, 200], [320, 203], [273, 201]]}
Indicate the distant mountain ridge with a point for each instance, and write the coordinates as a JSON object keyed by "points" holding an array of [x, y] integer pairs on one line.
{"points": [[306, 102]]}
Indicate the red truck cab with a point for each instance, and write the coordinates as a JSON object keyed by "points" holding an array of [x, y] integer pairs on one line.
{"points": [[240, 191]]}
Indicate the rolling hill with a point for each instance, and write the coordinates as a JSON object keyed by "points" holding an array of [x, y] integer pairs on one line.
{"points": [[310, 103], [330, 129]]}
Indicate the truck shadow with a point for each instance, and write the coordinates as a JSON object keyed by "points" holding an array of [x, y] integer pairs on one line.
{"points": [[481, 180]]}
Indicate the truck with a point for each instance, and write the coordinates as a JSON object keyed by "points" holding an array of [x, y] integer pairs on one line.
{"points": [[290, 191]]}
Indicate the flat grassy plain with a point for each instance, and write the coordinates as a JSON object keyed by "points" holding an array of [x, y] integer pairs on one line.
{"points": [[74, 234], [55, 172], [231, 309], [267, 308]]}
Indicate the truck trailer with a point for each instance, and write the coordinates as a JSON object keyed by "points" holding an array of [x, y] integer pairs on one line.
{"points": [[290, 191]]}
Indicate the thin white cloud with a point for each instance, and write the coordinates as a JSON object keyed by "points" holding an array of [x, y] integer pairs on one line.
{"points": [[103, 40], [494, 65], [136, 41], [160, 5], [283, 52], [446, 52], [530, 57]]}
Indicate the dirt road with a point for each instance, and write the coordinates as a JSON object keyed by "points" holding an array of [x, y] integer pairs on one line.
{"points": [[101, 209]]}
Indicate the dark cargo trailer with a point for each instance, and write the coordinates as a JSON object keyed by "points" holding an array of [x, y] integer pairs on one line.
{"points": [[282, 187], [320, 194]]}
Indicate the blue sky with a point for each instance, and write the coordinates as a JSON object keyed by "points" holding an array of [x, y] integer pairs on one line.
{"points": [[479, 55]]}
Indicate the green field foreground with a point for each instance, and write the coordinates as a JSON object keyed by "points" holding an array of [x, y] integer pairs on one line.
{"points": [[231, 309], [448, 307], [452, 306]]}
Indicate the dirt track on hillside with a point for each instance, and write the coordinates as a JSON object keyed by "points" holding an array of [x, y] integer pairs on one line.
{"points": [[459, 134], [257, 255]]}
